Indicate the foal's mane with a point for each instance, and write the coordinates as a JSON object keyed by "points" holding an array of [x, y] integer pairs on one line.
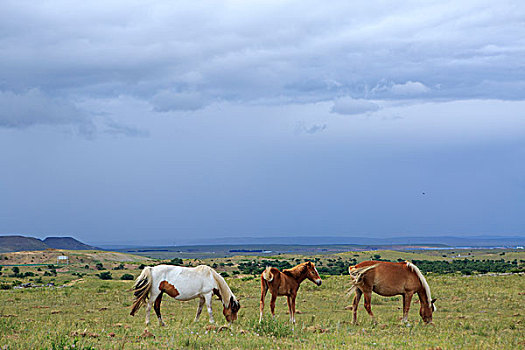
{"points": [[296, 271], [424, 283]]}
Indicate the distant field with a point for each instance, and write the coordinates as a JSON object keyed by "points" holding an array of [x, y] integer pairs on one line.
{"points": [[223, 251], [477, 311]]}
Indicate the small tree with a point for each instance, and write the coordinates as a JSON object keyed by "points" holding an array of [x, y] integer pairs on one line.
{"points": [[127, 277]]}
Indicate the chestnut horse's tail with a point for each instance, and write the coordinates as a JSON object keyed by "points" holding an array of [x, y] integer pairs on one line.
{"points": [[141, 289], [356, 274]]}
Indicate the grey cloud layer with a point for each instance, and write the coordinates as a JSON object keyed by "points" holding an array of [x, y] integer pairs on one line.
{"points": [[183, 56]]}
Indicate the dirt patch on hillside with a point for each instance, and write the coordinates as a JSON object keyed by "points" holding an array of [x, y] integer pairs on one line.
{"points": [[49, 256]]}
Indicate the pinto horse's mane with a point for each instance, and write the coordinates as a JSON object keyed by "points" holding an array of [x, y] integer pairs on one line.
{"points": [[225, 292], [423, 281]]}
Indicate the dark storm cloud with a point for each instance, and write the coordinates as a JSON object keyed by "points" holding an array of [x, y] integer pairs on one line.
{"points": [[34, 108], [186, 55]]}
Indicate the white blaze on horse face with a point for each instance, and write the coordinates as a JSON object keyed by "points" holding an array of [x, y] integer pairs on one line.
{"points": [[317, 281]]}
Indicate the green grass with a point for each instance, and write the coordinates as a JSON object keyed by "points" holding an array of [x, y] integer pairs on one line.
{"points": [[473, 312]]}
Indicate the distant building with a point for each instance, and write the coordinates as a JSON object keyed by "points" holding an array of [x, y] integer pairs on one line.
{"points": [[62, 259]]}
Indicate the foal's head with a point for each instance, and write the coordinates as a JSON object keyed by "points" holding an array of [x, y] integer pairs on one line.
{"points": [[312, 274], [426, 311], [230, 312]]}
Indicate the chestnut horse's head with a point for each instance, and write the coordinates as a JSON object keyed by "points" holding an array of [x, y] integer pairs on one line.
{"points": [[426, 311], [230, 312], [312, 274]]}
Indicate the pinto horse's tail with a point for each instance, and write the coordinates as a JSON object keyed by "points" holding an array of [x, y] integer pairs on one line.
{"points": [[356, 274], [141, 289]]}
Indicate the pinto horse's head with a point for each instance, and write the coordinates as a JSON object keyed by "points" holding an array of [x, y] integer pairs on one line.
{"points": [[426, 311], [230, 312], [312, 274]]}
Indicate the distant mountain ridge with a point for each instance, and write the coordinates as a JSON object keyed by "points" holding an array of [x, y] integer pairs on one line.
{"points": [[22, 243]]}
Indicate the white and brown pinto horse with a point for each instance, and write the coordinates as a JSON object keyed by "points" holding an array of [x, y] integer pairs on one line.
{"points": [[389, 279], [286, 283], [183, 283]]}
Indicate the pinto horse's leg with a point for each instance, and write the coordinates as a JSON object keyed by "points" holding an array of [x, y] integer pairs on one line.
{"points": [[368, 304], [199, 309], [355, 304], [407, 299], [272, 304], [208, 300], [264, 290], [156, 307], [148, 310]]}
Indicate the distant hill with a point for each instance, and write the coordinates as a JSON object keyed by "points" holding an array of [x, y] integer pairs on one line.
{"points": [[19, 243], [68, 243], [22, 243]]}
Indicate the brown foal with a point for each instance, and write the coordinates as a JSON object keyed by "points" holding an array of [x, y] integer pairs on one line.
{"points": [[286, 283], [389, 279]]}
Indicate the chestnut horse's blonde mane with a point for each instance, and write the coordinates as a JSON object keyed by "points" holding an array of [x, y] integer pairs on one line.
{"points": [[423, 282]]}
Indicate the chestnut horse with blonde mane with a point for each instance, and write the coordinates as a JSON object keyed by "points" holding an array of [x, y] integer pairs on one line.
{"points": [[389, 279], [286, 283]]}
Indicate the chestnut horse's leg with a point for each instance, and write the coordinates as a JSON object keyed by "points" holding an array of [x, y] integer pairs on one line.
{"points": [[272, 304], [156, 307], [199, 309], [264, 290], [368, 303], [407, 299], [355, 303], [292, 300]]}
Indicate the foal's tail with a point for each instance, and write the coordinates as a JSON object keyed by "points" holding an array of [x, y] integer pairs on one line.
{"points": [[267, 274], [141, 289], [356, 274]]}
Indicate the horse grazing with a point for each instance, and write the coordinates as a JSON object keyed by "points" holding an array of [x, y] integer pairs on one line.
{"points": [[183, 283], [389, 279], [286, 283]]}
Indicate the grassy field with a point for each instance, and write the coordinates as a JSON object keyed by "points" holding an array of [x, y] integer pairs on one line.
{"points": [[478, 311]]}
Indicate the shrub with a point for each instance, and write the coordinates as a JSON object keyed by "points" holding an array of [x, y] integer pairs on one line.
{"points": [[99, 266], [106, 275], [225, 274], [176, 261], [127, 277]]}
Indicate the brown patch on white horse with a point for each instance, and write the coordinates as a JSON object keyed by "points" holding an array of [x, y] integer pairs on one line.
{"points": [[169, 289]]}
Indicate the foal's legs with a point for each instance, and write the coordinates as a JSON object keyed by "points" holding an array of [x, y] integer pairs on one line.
{"points": [[407, 298], [368, 303], [355, 303], [208, 299], [272, 304], [264, 290], [199, 309], [156, 307], [290, 308]]}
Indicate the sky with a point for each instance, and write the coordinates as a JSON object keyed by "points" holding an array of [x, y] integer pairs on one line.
{"points": [[161, 122]]}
